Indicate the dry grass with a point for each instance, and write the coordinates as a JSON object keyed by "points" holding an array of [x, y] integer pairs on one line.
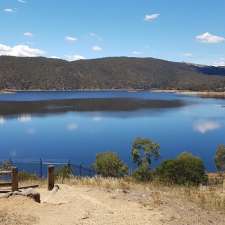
{"points": [[107, 183], [30, 182], [13, 219], [99, 200], [207, 197]]}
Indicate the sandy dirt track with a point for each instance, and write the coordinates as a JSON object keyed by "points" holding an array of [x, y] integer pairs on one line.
{"points": [[81, 205]]}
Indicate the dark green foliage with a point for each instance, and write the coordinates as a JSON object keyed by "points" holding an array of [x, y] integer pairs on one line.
{"points": [[220, 158], [106, 73], [64, 172], [143, 173], [108, 164], [143, 151], [186, 169]]}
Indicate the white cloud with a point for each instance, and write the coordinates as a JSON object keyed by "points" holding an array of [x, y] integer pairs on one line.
{"points": [[188, 54], [97, 48], [152, 17], [70, 39], [74, 57], [20, 50], [92, 34], [136, 53], [28, 34], [9, 10], [209, 38], [72, 126], [2, 120], [21, 1], [220, 62], [24, 118], [206, 126]]}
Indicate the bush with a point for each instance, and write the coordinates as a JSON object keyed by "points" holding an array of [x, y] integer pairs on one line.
{"points": [[186, 169], [142, 173], [64, 172], [108, 164], [220, 158], [143, 151]]}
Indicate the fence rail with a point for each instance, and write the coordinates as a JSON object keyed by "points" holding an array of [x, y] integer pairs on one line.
{"points": [[40, 167], [13, 173]]}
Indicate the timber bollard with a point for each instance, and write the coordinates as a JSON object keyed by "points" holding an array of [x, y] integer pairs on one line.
{"points": [[51, 177], [15, 179], [224, 185]]}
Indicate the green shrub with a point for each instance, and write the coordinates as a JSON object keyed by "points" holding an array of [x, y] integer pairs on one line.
{"points": [[143, 151], [220, 158], [142, 173], [108, 164], [186, 169]]}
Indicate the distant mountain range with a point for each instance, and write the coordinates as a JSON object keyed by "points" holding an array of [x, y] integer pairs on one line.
{"points": [[107, 73]]}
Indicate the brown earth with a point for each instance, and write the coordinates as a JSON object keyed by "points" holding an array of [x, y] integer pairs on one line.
{"points": [[93, 205]]}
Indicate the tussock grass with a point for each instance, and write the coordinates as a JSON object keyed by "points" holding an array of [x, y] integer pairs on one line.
{"points": [[210, 197], [207, 197], [101, 182]]}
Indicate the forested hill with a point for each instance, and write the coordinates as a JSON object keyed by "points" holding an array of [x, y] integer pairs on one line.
{"points": [[107, 73]]}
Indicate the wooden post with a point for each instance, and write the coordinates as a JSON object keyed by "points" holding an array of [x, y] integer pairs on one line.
{"points": [[51, 178], [15, 179], [224, 185]]}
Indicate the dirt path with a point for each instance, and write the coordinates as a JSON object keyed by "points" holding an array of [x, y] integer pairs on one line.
{"points": [[73, 205]]}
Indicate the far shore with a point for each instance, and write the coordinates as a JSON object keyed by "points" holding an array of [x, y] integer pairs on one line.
{"points": [[194, 93], [182, 92]]}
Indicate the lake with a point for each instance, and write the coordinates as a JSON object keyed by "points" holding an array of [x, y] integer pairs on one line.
{"points": [[76, 125]]}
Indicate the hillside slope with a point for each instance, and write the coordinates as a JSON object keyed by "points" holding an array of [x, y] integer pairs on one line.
{"points": [[106, 73]]}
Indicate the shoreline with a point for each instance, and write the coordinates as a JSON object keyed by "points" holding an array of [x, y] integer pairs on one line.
{"points": [[193, 93], [182, 92], [8, 91]]}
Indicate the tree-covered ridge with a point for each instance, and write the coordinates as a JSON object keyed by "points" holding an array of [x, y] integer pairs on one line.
{"points": [[107, 73]]}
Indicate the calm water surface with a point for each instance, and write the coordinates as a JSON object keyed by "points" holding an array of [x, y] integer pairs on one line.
{"points": [[77, 125]]}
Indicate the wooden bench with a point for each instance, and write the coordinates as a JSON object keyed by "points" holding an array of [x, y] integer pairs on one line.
{"points": [[14, 179]]}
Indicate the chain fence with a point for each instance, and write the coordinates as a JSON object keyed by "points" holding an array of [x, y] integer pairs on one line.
{"points": [[39, 168]]}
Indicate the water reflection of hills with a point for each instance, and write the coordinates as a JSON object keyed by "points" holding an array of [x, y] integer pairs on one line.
{"points": [[12, 108]]}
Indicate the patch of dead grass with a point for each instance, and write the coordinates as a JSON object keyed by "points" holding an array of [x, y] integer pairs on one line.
{"points": [[15, 219]]}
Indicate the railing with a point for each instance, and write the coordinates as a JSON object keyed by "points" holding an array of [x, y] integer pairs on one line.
{"points": [[40, 167], [14, 178]]}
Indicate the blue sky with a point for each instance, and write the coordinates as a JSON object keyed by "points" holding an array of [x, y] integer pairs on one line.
{"points": [[176, 30]]}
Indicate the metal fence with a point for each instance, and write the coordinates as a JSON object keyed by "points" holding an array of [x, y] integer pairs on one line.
{"points": [[39, 167]]}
